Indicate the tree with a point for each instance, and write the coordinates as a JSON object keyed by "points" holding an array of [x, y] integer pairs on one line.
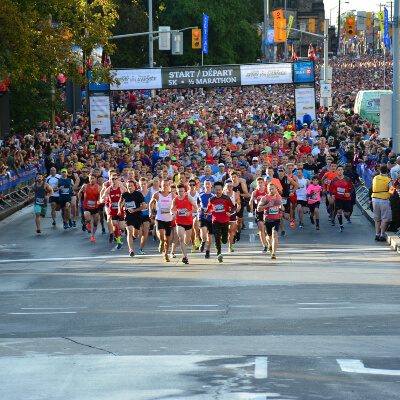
{"points": [[37, 37]]}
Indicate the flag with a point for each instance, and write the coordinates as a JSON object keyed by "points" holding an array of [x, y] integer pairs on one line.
{"points": [[107, 61], [294, 55], [386, 27], [311, 53], [205, 34]]}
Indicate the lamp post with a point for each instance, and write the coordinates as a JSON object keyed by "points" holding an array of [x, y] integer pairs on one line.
{"points": [[330, 11]]}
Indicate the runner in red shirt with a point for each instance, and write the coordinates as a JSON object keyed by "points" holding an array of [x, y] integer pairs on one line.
{"points": [[341, 189], [90, 204], [185, 207], [221, 207]]}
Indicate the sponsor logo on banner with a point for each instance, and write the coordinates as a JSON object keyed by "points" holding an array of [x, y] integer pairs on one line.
{"points": [[138, 79], [305, 102], [265, 74], [303, 71], [100, 114]]}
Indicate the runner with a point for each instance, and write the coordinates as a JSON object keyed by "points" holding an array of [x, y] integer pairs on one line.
{"points": [[134, 203], [314, 200], [328, 177], [83, 179], [144, 189], [240, 186], [206, 230], [255, 199], [341, 189], [43, 192], [272, 207], [194, 195], [73, 176], [102, 213], [91, 194], [163, 217], [292, 193], [105, 186], [235, 199], [355, 180], [113, 195], [222, 208], [301, 194], [64, 186], [286, 183], [54, 200], [184, 206]]}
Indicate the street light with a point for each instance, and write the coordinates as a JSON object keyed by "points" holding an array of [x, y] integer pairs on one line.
{"points": [[330, 11]]}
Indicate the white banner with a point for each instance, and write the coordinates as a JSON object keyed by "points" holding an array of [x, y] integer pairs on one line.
{"points": [[138, 79], [100, 114], [165, 153], [266, 74], [326, 90], [305, 102]]}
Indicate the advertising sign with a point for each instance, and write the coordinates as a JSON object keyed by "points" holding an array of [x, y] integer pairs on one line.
{"points": [[326, 90], [266, 74], [100, 114], [205, 34], [303, 71], [97, 86], [224, 75], [304, 102], [138, 79]]}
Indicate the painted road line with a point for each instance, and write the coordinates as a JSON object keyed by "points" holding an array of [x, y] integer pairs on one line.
{"points": [[324, 304], [50, 308], [261, 368], [357, 366], [191, 310], [42, 313], [325, 308], [254, 252], [189, 305]]}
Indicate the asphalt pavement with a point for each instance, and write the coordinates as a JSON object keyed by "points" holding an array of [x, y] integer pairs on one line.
{"points": [[82, 320]]}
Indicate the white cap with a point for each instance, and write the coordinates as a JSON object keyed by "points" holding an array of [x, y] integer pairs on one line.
{"points": [[255, 158]]}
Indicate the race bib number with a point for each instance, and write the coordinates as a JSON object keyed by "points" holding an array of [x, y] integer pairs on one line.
{"points": [[341, 190], [273, 211], [219, 208], [39, 200], [65, 191], [313, 197], [284, 201], [182, 212], [165, 211], [114, 205], [130, 204], [91, 204]]}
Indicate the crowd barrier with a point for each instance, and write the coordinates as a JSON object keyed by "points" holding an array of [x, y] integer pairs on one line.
{"points": [[14, 188]]}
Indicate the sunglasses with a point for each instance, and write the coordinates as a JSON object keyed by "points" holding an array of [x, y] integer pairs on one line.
{"points": [[192, 184]]}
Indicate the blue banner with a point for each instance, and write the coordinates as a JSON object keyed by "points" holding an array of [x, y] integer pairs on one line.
{"points": [[205, 34], [97, 86], [386, 39], [270, 37], [303, 71]]}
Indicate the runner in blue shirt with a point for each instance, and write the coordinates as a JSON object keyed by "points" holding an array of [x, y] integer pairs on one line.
{"points": [[206, 229]]}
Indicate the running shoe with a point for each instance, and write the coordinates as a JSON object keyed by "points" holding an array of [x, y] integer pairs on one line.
{"points": [[197, 242], [38, 231], [377, 238], [185, 260], [318, 228], [83, 227], [89, 227], [292, 223], [202, 246], [220, 258], [111, 239], [65, 225], [348, 221], [92, 239], [166, 259], [244, 227], [70, 223], [301, 225], [155, 238], [161, 247], [330, 217], [341, 229], [173, 255], [273, 257], [103, 231], [333, 222], [270, 249], [265, 249], [207, 254], [237, 236], [74, 224], [312, 219], [131, 253], [119, 246], [193, 249], [231, 249], [382, 239], [54, 223], [283, 233], [141, 252]]}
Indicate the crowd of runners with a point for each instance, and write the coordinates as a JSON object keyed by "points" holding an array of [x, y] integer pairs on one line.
{"points": [[183, 167]]}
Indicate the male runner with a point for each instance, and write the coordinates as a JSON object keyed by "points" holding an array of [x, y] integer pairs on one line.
{"points": [[54, 200], [255, 198], [65, 186], [239, 186], [329, 176], [193, 194], [235, 199], [301, 194], [314, 200], [144, 189], [91, 193], [206, 230]]}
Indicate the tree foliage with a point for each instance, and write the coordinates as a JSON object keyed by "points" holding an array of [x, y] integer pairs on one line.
{"points": [[37, 35]]}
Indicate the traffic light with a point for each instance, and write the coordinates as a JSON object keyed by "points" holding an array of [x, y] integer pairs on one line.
{"points": [[350, 27], [196, 38], [311, 25], [280, 30]]}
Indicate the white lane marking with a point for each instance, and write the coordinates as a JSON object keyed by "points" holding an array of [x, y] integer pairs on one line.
{"points": [[114, 257], [42, 313], [191, 310], [250, 215], [50, 308], [251, 225], [189, 305], [323, 304], [357, 366], [252, 237], [261, 368], [324, 308]]}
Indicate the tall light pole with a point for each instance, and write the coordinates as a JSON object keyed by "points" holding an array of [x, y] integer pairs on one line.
{"points": [[338, 31], [396, 80], [265, 30]]}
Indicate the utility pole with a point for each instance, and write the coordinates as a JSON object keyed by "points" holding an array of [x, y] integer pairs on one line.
{"points": [[338, 31], [265, 30], [286, 51], [326, 50], [396, 80]]}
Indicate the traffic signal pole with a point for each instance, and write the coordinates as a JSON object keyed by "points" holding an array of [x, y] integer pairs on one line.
{"points": [[396, 80]]}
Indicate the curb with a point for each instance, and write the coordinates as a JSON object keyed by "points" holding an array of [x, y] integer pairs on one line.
{"points": [[15, 208], [392, 239]]}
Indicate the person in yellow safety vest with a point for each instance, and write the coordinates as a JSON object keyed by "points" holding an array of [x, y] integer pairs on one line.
{"points": [[288, 134], [381, 193], [163, 146]]}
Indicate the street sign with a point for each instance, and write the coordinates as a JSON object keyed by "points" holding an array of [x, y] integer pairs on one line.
{"points": [[361, 20], [164, 42], [326, 90], [205, 34]]}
